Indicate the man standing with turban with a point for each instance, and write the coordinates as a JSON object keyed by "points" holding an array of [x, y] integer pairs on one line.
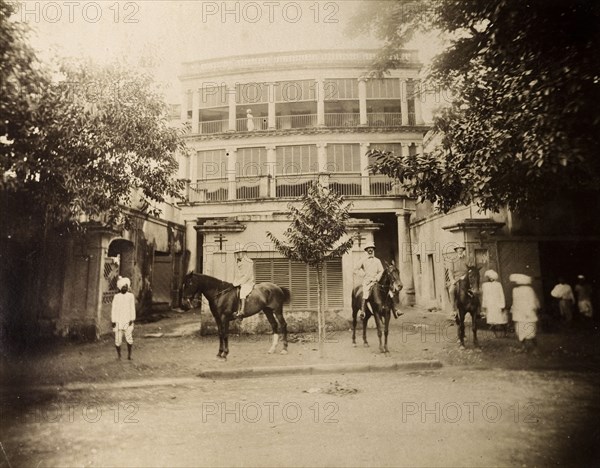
{"points": [[123, 315]]}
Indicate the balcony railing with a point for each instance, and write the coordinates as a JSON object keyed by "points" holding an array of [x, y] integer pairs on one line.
{"points": [[384, 185], [342, 120], [260, 123], [214, 126], [215, 190], [283, 122], [384, 119], [346, 184], [287, 186], [296, 121], [293, 186], [251, 187]]}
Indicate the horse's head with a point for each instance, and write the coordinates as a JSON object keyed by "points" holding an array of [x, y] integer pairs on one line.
{"points": [[473, 279], [189, 290], [391, 280]]}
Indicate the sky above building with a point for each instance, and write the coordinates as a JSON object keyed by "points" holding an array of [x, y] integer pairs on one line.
{"points": [[160, 35]]}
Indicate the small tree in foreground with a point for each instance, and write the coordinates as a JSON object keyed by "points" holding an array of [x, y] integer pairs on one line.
{"points": [[317, 226]]}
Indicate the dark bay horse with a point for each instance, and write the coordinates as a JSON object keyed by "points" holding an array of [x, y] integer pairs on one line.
{"points": [[223, 301], [384, 299], [468, 302]]}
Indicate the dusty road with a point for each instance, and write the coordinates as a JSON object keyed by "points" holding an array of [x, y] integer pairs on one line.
{"points": [[450, 417]]}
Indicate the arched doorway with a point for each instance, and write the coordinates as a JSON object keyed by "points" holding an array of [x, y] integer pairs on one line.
{"points": [[119, 261]]}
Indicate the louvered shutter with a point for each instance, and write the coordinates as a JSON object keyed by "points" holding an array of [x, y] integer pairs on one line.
{"points": [[333, 280]]}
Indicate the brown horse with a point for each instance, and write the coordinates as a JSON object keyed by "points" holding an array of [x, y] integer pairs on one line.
{"points": [[384, 299], [223, 299], [467, 302]]}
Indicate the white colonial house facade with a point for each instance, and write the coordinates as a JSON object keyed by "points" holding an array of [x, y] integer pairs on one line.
{"points": [[261, 127]]}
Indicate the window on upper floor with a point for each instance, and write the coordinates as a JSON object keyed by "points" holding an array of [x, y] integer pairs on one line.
{"points": [[298, 159], [385, 88], [294, 91], [251, 93], [343, 158], [211, 165], [213, 96], [251, 162], [340, 88]]}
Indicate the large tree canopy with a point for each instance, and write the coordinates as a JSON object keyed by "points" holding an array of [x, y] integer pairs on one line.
{"points": [[76, 137], [522, 125]]}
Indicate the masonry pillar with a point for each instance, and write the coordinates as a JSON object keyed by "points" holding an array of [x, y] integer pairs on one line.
{"points": [[191, 243], [418, 111], [404, 101], [232, 107], [362, 100], [271, 110], [364, 169], [184, 105], [405, 264], [272, 170], [320, 102], [196, 111], [231, 173]]}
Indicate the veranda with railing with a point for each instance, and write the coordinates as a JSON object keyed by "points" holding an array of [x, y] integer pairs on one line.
{"points": [[290, 186]]}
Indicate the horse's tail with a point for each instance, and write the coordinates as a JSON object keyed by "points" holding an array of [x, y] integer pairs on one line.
{"points": [[287, 295]]}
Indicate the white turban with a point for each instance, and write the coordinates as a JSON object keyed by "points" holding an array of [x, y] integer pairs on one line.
{"points": [[123, 282], [491, 274], [520, 279]]}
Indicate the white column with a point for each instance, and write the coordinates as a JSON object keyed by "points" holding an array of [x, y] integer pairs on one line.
{"points": [[403, 101], [322, 159], [418, 112], [320, 102], [184, 105], [420, 149], [232, 107], [191, 239], [404, 147], [272, 168], [322, 156], [231, 173], [193, 175], [271, 109], [405, 264], [362, 100], [196, 111], [364, 171]]}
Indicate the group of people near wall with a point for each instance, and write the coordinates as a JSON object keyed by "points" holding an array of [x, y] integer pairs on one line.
{"points": [[526, 306]]}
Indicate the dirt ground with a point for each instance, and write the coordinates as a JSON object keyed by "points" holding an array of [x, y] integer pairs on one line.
{"points": [[447, 417], [487, 406], [172, 347]]}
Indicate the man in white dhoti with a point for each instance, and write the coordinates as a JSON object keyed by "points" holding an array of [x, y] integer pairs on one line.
{"points": [[566, 300], [373, 271], [524, 310], [492, 301], [123, 316]]}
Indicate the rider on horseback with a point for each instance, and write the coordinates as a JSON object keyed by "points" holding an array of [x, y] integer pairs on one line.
{"points": [[457, 268], [373, 270], [243, 278]]}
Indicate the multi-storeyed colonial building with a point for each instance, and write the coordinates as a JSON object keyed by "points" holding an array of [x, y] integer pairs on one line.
{"points": [[262, 127]]}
